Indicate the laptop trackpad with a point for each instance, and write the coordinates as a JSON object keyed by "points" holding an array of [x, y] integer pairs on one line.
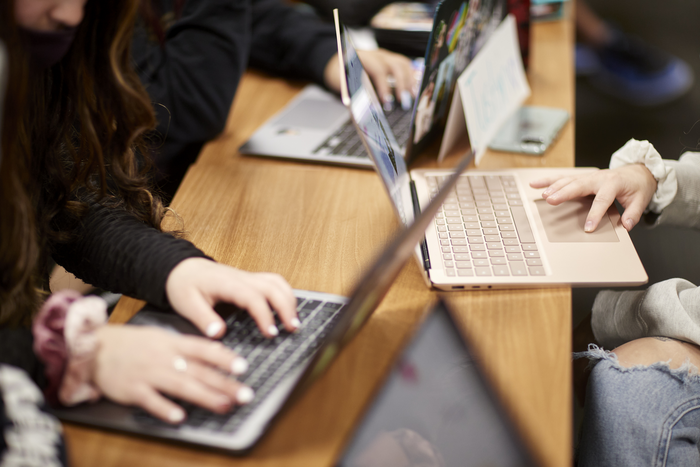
{"points": [[312, 113], [564, 223]]}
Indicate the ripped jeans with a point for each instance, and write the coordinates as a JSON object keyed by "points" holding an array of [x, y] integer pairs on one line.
{"points": [[639, 416]]}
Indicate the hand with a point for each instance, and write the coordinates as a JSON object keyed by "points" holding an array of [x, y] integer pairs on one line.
{"points": [[632, 185], [381, 64], [195, 285], [134, 365]]}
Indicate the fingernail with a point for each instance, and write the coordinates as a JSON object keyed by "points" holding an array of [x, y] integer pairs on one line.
{"points": [[388, 102], [406, 100], [547, 192], [629, 223], [272, 330], [213, 329], [245, 395], [239, 366], [176, 415], [295, 322], [588, 226]]}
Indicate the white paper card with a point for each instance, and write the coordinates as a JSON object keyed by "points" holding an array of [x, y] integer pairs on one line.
{"points": [[493, 86]]}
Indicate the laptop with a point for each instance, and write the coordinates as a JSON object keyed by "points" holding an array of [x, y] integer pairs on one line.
{"points": [[494, 231], [315, 125], [280, 369], [436, 407]]}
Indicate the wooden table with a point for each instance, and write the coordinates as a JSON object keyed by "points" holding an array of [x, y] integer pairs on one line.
{"points": [[320, 227]]}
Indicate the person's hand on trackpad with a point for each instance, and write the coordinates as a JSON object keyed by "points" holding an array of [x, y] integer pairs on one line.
{"points": [[632, 185]]}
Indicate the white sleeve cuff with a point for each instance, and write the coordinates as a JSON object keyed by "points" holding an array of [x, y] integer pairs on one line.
{"points": [[643, 152]]}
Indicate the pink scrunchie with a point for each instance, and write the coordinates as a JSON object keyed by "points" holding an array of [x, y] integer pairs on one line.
{"points": [[64, 340]]}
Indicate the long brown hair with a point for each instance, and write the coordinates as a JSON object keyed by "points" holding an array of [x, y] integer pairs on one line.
{"points": [[70, 133]]}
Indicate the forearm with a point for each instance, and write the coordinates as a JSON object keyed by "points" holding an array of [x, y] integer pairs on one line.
{"points": [[670, 308], [684, 210], [193, 76], [117, 252], [289, 42]]}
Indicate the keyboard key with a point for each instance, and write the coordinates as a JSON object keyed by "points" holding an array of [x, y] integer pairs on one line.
{"points": [[537, 271], [482, 272], [446, 256], [515, 257], [499, 261], [497, 253], [463, 264], [529, 247], [475, 240], [460, 249], [479, 254], [513, 249], [450, 272], [534, 262], [449, 264], [501, 271], [481, 262], [518, 269], [522, 224], [492, 238], [465, 272], [532, 254], [494, 246], [462, 257], [459, 234], [477, 247]]}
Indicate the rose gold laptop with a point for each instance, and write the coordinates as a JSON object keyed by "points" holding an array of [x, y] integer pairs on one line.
{"points": [[494, 231]]}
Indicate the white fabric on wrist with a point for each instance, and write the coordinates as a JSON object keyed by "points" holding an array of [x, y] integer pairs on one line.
{"points": [[643, 152]]}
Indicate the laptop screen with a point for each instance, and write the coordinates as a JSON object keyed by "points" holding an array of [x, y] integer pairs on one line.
{"points": [[436, 408], [370, 120]]}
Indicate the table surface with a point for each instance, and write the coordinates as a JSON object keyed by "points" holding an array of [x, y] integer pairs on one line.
{"points": [[320, 227]]}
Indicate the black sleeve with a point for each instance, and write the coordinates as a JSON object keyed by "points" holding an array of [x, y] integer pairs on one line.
{"points": [[193, 76], [291, 42], [119, 253]]}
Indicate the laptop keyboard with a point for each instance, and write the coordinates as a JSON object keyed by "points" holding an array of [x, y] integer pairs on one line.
{"points": [[269, 360], [484, 230], [346, 142]]}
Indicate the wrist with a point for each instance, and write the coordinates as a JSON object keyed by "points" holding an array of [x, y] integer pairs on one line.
{"points": [[644, 153]]}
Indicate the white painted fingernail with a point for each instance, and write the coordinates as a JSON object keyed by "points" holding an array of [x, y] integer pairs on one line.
{"points": [[406, 100], [239, 366], [245, 395], [272, 330], [176, 415], [213, 329], [295, 322]]}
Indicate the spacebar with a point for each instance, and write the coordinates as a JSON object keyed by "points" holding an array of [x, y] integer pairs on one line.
{"points": [[522, 224]]}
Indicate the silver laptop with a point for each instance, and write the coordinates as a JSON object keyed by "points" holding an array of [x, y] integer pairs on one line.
{"points": [[437, 408], [315, 126], [494, 231], [279, 369]]}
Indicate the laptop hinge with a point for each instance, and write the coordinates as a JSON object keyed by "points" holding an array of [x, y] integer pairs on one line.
{"points": [[416, 213]]}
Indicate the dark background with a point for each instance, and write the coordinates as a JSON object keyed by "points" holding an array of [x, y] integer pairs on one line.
{"points": [[604, 124]]}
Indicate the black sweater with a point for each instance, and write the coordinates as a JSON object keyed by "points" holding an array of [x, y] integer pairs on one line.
{"points": [[193, 76]]}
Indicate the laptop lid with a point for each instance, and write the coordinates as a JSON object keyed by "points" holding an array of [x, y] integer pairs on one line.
{"points": [[460, 28], [436, 407]]}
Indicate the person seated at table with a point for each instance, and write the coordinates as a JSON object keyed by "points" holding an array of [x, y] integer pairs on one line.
{"points": [[75, 116], [642, 401], [191, 55]]}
